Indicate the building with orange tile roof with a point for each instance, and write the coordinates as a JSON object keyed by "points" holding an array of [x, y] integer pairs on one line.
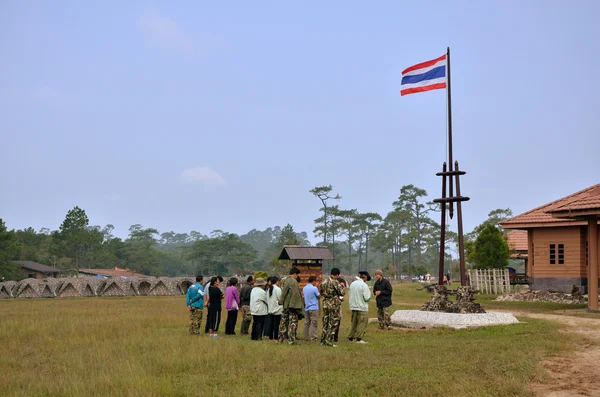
{"points": [[558, 238]]}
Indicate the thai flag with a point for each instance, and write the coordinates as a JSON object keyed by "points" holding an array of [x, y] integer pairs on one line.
{"points": [[425, 76]]}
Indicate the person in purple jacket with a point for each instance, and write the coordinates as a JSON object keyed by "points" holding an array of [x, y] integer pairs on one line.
{"points": [[232, 304]]}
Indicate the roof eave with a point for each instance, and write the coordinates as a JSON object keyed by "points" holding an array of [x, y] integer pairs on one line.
{"points": [[531, 225]]}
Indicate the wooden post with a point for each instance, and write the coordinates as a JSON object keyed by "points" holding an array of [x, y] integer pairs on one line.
{"points": [[593, 263], [459, 220], [443, 230]]}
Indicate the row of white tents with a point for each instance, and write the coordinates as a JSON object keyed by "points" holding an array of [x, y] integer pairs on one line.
{"points": [[89, 286]]}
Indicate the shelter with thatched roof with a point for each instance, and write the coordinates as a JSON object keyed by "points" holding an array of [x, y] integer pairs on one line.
{"points": [[308, 259]]}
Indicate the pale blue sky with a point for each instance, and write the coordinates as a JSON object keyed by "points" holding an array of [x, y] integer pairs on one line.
{"points": [[198, 116]]}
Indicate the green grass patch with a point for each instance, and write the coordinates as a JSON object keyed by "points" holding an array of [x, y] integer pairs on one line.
{"points": [[139, 346]]}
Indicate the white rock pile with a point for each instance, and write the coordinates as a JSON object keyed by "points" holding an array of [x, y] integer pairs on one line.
{"points": [[423, 319]]}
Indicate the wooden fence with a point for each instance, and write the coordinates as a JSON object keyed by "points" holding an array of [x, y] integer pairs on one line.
{"points": [[490, 281]]}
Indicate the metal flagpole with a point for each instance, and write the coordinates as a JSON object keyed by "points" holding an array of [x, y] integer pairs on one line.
{"points": [[450, 162]]}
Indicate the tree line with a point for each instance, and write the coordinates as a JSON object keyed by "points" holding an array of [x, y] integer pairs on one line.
{"points": [[404, 241]]}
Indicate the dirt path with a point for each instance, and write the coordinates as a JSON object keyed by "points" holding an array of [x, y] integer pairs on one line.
{"points": [[577, 374]]}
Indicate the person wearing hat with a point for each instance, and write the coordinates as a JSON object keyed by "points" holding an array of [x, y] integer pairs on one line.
{"points": [[331, 290], [258, 308], [360, 295], [383, 291], [291, 300]]}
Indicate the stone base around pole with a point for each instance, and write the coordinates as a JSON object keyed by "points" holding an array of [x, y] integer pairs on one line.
{"points": [[465, 301]]}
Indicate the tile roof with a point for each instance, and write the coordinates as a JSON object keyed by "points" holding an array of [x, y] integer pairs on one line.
{"points": [[517, 240], [588, 201], [115, 272], [37, 267], [298, 252], [541, 215]]}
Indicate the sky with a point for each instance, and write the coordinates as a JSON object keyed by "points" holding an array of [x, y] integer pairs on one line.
{"points": [[199, 116]]}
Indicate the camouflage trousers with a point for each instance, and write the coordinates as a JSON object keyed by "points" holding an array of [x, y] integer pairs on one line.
{"points": [[288, 326], [195, 321], [331, 320], [383, 317], [246, 319]]}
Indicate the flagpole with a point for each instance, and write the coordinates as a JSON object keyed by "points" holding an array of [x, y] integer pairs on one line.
{"points": [[450, 162]]}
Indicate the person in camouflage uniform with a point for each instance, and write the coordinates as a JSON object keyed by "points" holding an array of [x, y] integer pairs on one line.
{"points": [[331, 291], [292, 302], [194, 299]]}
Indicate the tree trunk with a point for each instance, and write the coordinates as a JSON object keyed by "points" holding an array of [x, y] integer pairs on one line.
{"points": [[359, 254], [349, 255], [367, 252]]}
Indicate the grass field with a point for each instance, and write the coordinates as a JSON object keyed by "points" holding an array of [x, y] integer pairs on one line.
{"points": [[139, 346]]}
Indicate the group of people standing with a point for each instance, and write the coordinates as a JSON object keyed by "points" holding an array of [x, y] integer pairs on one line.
{"points": [[275, 306]]}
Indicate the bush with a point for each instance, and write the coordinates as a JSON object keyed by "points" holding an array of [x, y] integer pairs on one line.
{"points": [[261, 274], [490, 249]]}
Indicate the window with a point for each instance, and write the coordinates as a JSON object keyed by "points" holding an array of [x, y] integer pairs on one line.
{"points": [[561, 254], [557, 254], [587, 253]]}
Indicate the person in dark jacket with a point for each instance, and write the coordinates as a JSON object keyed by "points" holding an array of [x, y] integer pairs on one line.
{"points": [[383, 291], [245, 305]]}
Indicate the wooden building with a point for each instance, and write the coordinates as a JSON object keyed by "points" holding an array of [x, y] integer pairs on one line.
{"points": [[37, 270], [308, 259], [562, 241], [517, 242]]}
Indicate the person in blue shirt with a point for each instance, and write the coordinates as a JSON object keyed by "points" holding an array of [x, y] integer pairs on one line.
{"points": [[311, 310], [194, 299]]}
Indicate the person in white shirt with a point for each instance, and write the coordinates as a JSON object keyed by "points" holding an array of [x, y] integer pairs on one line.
{"points": [[274, 308], [258, 308], [359, 297]]}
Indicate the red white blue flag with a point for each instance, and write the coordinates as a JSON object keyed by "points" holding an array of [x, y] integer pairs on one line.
{"points": [[425, 76]]}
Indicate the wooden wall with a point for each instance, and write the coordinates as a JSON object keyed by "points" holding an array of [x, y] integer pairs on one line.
{"points": [[574, 254], [307, 270]]}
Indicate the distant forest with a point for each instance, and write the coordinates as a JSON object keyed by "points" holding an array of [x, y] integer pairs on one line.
{"points": [[403, 241]]}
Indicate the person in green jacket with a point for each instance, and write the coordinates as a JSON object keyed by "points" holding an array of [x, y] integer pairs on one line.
{"points": [[291, 300], [359, 294]]}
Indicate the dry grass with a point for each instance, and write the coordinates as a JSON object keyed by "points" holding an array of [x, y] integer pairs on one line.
{"points": [[139, 346]]}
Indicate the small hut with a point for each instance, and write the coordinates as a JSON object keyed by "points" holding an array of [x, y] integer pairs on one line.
{"points": [[183, 283], [119, 287], [27, 288], [46, 289], [55, 284], [163, 286], [8, 287], [308, 259], [144, 286], [3, 292], [74, 287]]}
